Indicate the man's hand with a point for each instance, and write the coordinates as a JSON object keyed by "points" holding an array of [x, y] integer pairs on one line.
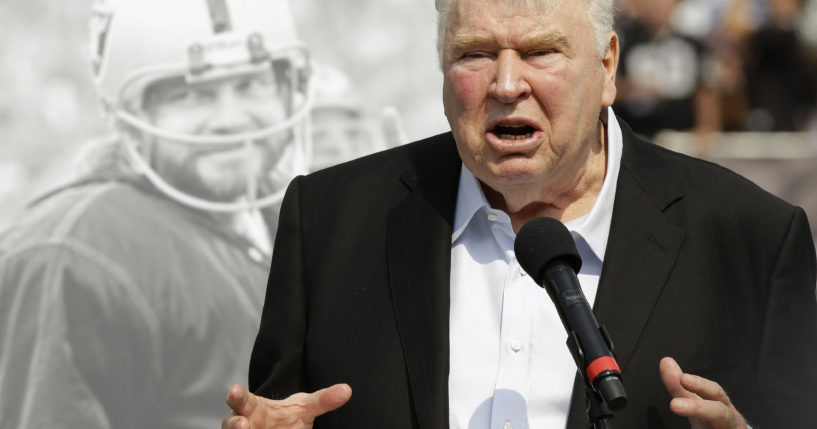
{"points": [[297, 411], [703, 401]]}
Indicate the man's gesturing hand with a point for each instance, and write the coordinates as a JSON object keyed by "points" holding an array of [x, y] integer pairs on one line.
{"points": [[297, 411], [703, 401]]}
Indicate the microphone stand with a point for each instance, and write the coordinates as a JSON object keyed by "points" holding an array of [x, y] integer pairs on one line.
{"points": [[599, 414]]}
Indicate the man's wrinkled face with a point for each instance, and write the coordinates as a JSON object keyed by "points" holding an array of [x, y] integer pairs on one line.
{"points": [[225, 106], [523, 87]]}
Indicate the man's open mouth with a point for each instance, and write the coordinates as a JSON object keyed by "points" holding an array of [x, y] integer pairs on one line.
{"points": [[513, 132]]}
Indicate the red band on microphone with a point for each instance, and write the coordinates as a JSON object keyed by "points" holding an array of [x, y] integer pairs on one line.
{"points": [[600, 365]]}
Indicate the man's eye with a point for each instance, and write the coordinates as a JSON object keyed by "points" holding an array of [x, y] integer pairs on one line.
{"points": [[248, 85], [541, 52], [184, 96], [476, 55], [257, 85]]}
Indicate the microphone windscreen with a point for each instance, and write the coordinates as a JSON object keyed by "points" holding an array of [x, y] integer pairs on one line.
{"points": [[543, 241]]}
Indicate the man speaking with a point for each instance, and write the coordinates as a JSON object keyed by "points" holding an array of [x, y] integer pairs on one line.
{"points": [[394, 276]]}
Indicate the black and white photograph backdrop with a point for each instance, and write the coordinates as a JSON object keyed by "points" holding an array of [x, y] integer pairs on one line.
{"points": [[134, 282]]}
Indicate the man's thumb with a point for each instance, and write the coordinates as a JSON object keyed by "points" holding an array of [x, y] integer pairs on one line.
{"points": [[332, 397]]}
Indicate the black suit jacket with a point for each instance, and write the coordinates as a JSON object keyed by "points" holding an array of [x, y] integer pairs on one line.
{"points": [[701, 265]]}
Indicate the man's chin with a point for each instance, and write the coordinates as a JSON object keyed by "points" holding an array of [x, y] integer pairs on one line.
{"points": [[222, 168], [512, 172], [212, 190], [223, 192]]}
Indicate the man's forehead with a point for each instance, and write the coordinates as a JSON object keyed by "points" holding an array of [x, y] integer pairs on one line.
{"points": [[470, 15], [508, 5], [541, 23]]}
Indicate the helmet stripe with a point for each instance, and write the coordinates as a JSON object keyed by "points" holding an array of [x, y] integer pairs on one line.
{"points": [[220, 16]]}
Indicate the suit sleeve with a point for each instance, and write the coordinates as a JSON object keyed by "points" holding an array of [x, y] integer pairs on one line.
{"points": [[788, 368], [277, 366]]}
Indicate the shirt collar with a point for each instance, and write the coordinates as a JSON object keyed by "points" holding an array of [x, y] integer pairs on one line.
{"points": [[594, 227], [470, 200]]}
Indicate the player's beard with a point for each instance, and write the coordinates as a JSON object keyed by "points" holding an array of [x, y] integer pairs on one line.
{"points": [[221, 174]]}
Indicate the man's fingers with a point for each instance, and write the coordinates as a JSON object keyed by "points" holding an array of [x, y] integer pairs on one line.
{"points": [[700, 408], [671, 376], [297, 410], [716, 414], [706, 389], [703, 401], [234, 421], [241, 401]]}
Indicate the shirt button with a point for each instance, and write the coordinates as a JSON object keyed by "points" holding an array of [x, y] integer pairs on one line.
{"points": [[492, 217], [516, 345], [507, 425], [522, 272]]}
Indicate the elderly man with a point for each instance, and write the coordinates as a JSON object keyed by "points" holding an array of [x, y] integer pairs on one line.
{"points": [[394, 275], [127, 296]]}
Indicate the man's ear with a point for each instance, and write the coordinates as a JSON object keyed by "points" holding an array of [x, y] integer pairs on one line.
{"points": [[610, 65]]}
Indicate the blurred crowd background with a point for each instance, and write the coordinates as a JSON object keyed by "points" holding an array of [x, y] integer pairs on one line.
{"points": [[718, 65], [734, 81]]}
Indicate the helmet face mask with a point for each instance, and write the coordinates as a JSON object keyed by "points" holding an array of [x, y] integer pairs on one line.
{"points": [[220, 122], [229, 107]]}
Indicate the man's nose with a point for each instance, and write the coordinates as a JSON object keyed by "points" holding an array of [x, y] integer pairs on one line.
{"points": [[229, 113], [510, 81]]}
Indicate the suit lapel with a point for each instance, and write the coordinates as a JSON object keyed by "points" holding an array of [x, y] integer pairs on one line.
{"points": [[642, 248], [419, 257]]}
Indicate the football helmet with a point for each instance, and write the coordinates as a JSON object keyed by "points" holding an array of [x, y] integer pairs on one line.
{"points": [[135, 43]]}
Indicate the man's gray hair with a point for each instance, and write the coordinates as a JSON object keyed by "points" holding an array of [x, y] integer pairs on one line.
{"points": [[601, 14]]}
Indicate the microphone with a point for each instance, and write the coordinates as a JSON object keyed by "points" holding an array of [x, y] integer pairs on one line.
{"points": [[546, 251]]}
